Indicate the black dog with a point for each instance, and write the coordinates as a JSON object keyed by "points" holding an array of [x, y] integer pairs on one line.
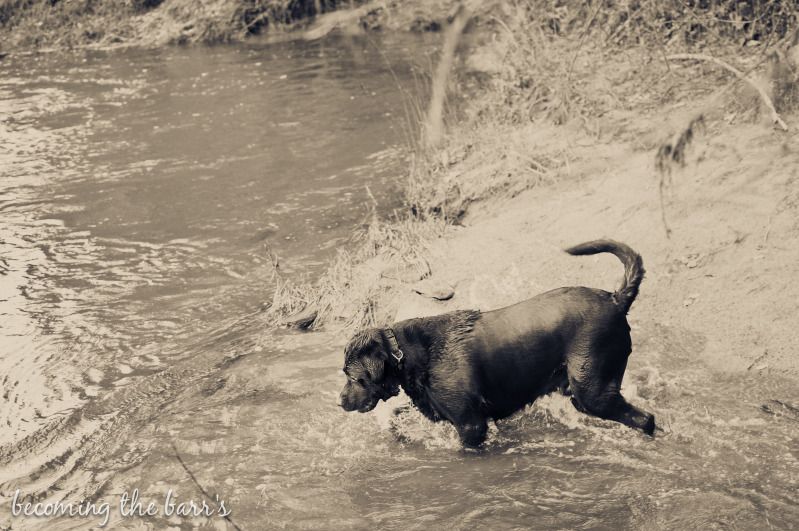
{"points": [[467, 367]]}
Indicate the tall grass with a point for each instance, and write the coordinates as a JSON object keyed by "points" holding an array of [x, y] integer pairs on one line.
{"points": [[384, 258]]}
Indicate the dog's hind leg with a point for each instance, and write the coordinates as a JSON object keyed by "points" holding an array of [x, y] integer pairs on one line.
{"points": [[596, 387], [614, 407]]}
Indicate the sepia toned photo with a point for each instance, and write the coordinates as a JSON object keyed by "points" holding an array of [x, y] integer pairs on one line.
{"points": [[399, 264]]}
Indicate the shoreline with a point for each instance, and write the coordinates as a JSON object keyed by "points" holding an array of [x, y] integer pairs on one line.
{"points": [[509, 249]]}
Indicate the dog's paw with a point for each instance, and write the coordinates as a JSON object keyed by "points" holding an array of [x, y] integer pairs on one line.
{"points": [[648, 426]]}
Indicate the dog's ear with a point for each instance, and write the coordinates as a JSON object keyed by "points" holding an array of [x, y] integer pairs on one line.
{"points": [[368, 347]]}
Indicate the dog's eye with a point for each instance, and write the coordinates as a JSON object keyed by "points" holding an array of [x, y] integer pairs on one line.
{"points": [[362, 382]]}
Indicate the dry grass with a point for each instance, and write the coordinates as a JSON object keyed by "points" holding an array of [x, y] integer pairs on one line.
{"points": [[672, 153], [40, 23], [487, 160], [387, 256], [653, 23], [783, 70]]}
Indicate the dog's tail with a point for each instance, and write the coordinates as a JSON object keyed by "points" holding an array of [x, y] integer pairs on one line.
{"points": [[633, 267]]}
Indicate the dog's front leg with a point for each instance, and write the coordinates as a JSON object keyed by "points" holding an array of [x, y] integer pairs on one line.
{"points": [[462, 410]]}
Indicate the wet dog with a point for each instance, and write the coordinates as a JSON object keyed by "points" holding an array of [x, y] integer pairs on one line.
{"points": [[467, 367]]}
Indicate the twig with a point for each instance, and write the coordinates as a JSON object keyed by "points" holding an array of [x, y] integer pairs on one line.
{"points": [[330, 21], [663, 206], [674, 153], [740, 75], [756, 360], [197, 483], [768, 230], [257, 20], [371, 196]]}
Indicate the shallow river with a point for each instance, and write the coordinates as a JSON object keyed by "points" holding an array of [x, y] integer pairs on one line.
{"points": [[142, 198]]}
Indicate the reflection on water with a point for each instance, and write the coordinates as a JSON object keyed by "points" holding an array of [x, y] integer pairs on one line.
{"points": [[142, 194]]}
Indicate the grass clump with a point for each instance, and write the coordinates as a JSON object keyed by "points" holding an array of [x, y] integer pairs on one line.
{"points": [[361, 285]]}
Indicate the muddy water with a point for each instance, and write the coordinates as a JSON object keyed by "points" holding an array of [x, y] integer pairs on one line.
{"points": [[143, 194]]}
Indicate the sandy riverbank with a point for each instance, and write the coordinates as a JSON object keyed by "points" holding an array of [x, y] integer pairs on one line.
{"points": [[722, 281]]}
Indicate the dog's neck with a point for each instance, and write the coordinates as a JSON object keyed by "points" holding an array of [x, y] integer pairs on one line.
{"points": [[408, 341], [414, 340], [394, 349]]}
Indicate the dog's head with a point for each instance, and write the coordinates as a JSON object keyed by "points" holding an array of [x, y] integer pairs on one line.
{"points": [[365, 359]]}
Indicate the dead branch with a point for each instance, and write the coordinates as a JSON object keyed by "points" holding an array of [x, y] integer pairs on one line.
{"points": [[434, 122], [740, 75], [672, 154], [328, 22]]}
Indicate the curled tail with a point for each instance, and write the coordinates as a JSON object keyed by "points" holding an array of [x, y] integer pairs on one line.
{"points": [[633, 267]]}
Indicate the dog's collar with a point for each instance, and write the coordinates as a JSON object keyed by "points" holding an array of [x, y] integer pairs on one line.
{"points": [[394, 348]]}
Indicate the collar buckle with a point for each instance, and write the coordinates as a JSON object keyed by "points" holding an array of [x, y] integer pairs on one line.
{"points": [[398, 356]]}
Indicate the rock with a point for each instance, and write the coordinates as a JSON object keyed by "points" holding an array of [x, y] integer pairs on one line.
{"points": [[91, 391], [411, 305], [302, 320], [432, 290]]}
